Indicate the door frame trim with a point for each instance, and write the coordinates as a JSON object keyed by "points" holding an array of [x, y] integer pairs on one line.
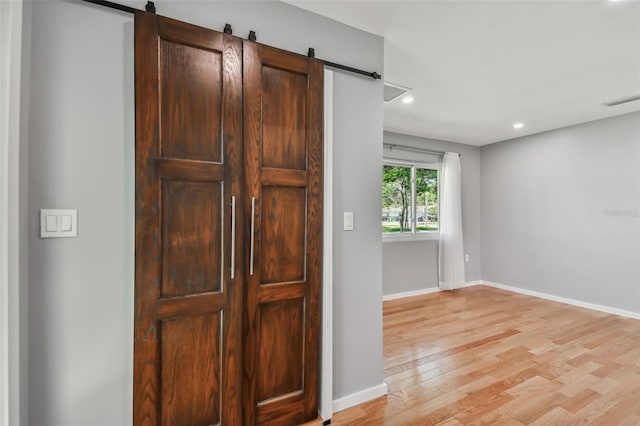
{"points": [[12, 252], [326, 357]]}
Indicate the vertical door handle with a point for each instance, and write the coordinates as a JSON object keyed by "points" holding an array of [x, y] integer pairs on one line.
{"points": [[233, 236], [253, 223]]}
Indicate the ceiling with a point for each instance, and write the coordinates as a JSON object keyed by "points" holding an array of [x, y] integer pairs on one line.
{"points": [[476, 67]]}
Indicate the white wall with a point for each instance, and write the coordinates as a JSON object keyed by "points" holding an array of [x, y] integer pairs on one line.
{"points": [[560, 212], [81, 156], [413, 265]]}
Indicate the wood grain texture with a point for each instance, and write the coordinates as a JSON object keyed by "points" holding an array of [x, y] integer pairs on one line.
{"points": [[283, 173], [233, 141], [281, 358], [146, 392], [274, 415], [287, 61], [191, 104], [197, 171], [282, 291], [182, 306], [191, 35], [252, 185], [191, 237], [194, 90], [483, 356], [283, 232], [188, 310], [284, 125], [191, 370], [284, 177], [314, 237]]}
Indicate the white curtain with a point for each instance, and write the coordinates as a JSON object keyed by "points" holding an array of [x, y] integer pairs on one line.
{"points": [[451, 251]]}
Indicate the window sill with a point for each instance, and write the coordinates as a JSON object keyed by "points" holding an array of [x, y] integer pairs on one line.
{"points": [[418, 237]]}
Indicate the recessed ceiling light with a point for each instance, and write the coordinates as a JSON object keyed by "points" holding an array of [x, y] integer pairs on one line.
{"points": [[407, 99], [518, 125]]}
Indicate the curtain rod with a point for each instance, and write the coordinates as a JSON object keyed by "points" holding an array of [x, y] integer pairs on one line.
{"points": [[151, 8], [393, 146]]}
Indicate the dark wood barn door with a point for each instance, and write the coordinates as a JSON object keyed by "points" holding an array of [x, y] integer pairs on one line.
{"points": [[188, 308], [283, 102], [228, 229]]}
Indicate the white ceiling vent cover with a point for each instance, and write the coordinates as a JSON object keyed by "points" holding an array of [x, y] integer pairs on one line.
{"points": [[393, 91]]}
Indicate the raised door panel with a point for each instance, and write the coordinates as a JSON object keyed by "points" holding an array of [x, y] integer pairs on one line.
{"points": [[283, 167], [191, 370], [191, 101], [192, 245], [282, 248], [282, 349], [284, 114], [188, 307]]}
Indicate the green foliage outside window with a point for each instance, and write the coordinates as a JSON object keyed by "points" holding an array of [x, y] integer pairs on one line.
{"points": [[397, 210]]}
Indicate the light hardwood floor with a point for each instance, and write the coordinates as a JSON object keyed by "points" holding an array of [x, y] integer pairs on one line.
{"points": [[484, 356]]}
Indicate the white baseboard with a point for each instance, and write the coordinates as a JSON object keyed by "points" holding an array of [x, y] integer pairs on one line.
{"points": [[579, 303], [423, 291], [573, 302], [359, 397], [410, 293], [472, 283]]}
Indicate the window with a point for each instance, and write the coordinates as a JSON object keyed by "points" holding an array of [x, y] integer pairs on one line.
{"points": [[409, 199]]}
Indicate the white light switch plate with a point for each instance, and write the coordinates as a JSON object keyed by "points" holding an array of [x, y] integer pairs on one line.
{"points": [[58, 223], [348, 221]]}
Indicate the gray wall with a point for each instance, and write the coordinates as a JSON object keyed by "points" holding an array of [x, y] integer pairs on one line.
{"points": [[413, 265], [409, 266], [357, 286], [560, 212], [24, 222], [81, 156]]}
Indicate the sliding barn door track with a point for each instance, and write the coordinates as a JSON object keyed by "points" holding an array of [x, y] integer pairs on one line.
{"points": [[151, 8]]}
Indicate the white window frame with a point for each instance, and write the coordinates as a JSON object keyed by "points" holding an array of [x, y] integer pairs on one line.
{"points": [[413, 236]]}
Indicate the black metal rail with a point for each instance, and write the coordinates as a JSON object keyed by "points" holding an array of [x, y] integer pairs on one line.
{"points": [[150, 7], [374, 75], [113, 5]]}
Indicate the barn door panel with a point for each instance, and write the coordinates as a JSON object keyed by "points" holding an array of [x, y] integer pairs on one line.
{"points": [[187, 351], [283, 201]]}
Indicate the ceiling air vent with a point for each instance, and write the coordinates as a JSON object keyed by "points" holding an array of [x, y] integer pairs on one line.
{"points": [[614, 102], [393, 91]]}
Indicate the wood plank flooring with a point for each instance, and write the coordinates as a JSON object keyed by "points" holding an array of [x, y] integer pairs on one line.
{"points": [[483, 356]]}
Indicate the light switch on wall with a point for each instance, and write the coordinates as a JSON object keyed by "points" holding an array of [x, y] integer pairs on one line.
{"points": [[58, 223], [66, 223], [51, 223], [348, 221]]}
